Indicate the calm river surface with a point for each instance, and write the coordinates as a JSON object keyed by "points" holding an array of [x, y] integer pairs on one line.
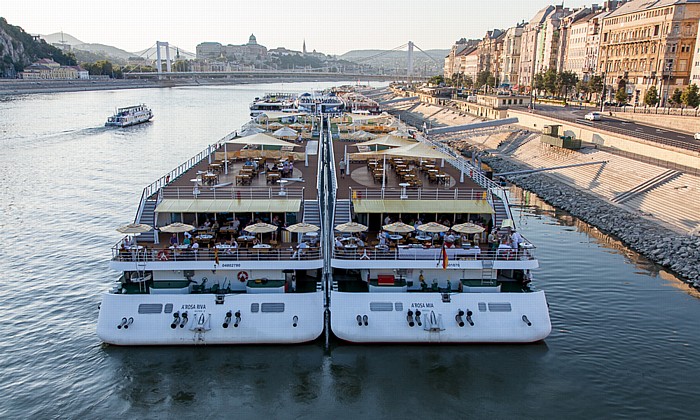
{"points": [[625, 339]]}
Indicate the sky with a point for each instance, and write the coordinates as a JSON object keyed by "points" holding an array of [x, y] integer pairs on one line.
{"points": [[328, 26]]}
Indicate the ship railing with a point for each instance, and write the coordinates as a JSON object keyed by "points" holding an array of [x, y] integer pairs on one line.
{"points": [[233, 193], [186, 166], [418, 194], [433, 254], [148, 254]]}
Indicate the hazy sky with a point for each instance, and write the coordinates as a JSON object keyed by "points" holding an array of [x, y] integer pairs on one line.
{"points": [[332, 27]]}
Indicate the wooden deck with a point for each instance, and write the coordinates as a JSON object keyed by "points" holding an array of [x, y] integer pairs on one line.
{"points": [[362, 178]]}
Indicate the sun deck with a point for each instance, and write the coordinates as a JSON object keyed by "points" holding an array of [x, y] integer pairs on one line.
{"points": [[222, 190]]}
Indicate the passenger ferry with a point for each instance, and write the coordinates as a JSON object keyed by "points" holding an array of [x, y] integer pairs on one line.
{"points": [[408, 275], [131, 115], [278, 102], [234, 257]]}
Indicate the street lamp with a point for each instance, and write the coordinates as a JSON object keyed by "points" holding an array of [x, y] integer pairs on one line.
{"points": [[602, 95]]}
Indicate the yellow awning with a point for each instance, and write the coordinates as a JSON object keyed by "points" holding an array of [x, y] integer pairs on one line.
{"points": [[228, 206], [422, 206]]}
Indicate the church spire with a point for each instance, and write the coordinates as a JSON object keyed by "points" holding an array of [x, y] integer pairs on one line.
{"points": [[303, 48]]}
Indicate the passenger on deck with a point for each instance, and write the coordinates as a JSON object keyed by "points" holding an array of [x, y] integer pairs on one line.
{"points": [[338, 244], [173, 239], [215, 226], [301, 250], [236, 224], [493, 240], [186, 241]]}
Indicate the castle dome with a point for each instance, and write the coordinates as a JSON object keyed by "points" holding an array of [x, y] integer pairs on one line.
{"points": [[252, 40]]}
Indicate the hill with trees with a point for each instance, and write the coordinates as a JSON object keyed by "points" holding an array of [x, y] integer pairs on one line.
{"points": [[19, 49]]}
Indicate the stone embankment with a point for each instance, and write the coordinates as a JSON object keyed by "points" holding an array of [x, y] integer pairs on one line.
{"points": [[678, 253]]}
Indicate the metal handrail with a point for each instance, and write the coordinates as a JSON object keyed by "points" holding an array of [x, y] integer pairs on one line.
{"points": [[208, 254], [418, 194], [524, 254], [234, 193]]}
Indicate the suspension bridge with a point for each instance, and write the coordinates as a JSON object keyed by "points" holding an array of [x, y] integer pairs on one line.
{"points": [[165, 69]]}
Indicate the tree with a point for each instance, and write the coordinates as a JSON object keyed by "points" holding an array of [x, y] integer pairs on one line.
{"points": [[690, 96], [676, 97], [566, 80], [538, 83], [595, 84], [651, 98], [436, 80], [550, 81], [482, 78], [468, 82], [583, 88], [621, 95]]}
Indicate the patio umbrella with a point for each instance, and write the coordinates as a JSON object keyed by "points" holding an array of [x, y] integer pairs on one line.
{"points": [[249, 131], [468, 228], [399, 133], [297, 125], [176, 228], [134, 228], [285, 132], [302, 228], [351, 227], [260, 228], [398, 227], [275, 125], [433, 227]]}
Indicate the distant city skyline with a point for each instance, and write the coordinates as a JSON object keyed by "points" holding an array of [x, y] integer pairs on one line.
{"points": [[327, 27]]}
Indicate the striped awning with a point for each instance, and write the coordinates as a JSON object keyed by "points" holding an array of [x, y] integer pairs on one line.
{"points": [[228, 206], [423, 206]]}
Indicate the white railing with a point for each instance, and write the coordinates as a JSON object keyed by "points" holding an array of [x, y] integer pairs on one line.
{"points": [[396, 254], [146, 254], [233, 193], [417, 194]]}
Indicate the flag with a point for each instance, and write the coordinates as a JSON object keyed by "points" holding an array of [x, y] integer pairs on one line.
{"points": [[216, 256], [444, 257]]}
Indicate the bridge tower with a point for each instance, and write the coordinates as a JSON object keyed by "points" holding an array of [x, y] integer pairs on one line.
{"points": [[168, 64], [409, 69]]}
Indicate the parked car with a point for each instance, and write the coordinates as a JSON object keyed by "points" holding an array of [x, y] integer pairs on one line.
{"points": [[593, 116], [696, 136]]}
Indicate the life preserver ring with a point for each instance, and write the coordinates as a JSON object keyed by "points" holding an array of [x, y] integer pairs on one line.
{"points": [[163, 255], [242, 276]]}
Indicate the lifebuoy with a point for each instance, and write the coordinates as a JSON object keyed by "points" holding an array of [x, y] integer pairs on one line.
{"points": [[163, 255], [242, 276]]}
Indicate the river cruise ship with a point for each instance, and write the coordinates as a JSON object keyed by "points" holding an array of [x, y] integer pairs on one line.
{"points": [[131, 115], [411, 262], [234, 257], [276, 102]]}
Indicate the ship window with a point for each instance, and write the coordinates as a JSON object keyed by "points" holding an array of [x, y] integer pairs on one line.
{"points": [[254, 307], [499, 307], [398, 306], [168, 308], [150, 308], [482, 307], [381, 306], [272, 307]]}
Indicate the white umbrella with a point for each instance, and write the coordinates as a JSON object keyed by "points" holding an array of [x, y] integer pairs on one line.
{"points": [[285, 132], [303, 228], [275, 125], [399, 133], [177, 228], [467, 228], [260, 228], [134, 228], [249, 131], [433, 227], [351, 227], [398, 227]]}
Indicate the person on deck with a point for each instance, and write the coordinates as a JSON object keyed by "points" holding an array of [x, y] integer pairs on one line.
{"points": [[341, 166], [173, 239]]}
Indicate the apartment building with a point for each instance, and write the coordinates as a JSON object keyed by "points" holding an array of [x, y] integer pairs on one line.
{"points": [[649, 43]]}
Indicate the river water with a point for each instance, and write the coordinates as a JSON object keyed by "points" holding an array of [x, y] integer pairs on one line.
{"points": [[624, 342]]}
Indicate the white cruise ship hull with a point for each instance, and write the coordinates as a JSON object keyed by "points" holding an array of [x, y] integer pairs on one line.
{"points": [[496, 317], [149, 319], [132, 121]]}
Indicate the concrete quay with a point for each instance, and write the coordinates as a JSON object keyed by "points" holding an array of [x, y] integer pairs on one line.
{"points": [[658, 223]]}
